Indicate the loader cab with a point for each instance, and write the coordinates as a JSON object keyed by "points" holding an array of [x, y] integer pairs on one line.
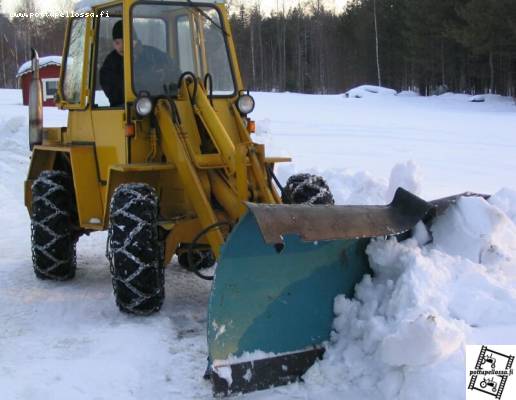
{"points": [[167, 39]]}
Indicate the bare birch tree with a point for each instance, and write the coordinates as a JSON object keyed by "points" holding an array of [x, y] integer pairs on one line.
{"points": [[377, 46]]}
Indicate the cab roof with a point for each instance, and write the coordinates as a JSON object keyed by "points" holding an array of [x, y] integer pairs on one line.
{"points": [[85, 5]]}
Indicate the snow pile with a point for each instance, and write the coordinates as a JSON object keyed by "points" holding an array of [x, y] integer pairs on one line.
{"points": [[9, 137], [355, 188], [403, 335], [26, 67], [505, 200], [406, 175], [408, 93], [346, 186], [476, 230], [477, 99], [14, 149], [368, 90]]}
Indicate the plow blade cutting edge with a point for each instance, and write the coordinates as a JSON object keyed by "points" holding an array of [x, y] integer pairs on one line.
{"points": [[271, 306]]}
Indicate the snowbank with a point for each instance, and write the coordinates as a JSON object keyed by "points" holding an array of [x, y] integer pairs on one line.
{"points": [[354, 188], [368, 90], [403, 335], [477, 99], [408, 93]]}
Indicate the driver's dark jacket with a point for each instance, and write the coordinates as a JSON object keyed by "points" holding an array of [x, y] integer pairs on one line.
{"points": [[152, 70], [112, 78]]}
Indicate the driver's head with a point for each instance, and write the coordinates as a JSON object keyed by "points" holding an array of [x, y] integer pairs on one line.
{"points": [[118, 38]]}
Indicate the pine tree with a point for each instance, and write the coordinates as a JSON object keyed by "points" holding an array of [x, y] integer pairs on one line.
{"points": [[486, 30]]}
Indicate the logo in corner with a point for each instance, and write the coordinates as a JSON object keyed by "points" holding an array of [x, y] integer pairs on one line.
{"points": [[492, 370]]}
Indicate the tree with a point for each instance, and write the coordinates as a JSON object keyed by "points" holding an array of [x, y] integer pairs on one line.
{"points": [[486, 30], [377, 48]]}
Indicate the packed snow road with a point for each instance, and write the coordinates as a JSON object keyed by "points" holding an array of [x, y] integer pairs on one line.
{"points": [[404, 335]]}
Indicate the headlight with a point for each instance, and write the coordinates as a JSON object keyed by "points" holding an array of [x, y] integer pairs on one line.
{"points": [[245, 104], [143, 106]]}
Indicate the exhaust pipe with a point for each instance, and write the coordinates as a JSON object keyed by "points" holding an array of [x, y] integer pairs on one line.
{"points": [[35, 104]]}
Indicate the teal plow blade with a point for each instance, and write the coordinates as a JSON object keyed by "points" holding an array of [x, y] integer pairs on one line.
{"points": [[271, 306]]}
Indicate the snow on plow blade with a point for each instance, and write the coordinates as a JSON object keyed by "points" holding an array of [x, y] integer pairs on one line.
{"points": [[271, 306]]}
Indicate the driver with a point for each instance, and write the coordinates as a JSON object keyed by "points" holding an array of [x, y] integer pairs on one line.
{"points": [[154, 71], [112, 70]]}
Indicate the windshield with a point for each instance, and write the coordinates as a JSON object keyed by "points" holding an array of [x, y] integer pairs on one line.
{"points": [[169, 40]]}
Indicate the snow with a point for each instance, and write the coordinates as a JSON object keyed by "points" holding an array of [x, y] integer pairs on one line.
{"points": [[26, 67], [457, 145], [404, 334], [368, 90], [477, 99], [224, 373], [409, 324], [406, 175], [248, 357]]}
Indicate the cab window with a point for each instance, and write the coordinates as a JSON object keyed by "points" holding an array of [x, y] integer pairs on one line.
{"points": [[169, 40], [73, 68], [105, 46]]}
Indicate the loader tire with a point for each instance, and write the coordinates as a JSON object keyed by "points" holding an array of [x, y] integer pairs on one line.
{"points": [[135, 249], [202, 260], [53, 234], [307, 189]]}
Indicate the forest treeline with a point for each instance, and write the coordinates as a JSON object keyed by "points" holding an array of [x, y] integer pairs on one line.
{"points": [[18, 35], [422, 45]]}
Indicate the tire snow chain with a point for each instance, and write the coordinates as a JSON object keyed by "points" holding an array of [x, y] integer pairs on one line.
{"points": [[110, 252], [54, 187], [311, 184]]}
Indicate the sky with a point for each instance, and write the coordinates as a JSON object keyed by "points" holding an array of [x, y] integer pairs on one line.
{"points": [[266, 5]]}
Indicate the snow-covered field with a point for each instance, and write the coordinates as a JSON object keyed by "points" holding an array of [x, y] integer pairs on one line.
{"points": [[402, 337]]}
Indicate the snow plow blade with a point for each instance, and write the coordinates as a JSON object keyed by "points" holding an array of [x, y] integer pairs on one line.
{"points": [[271, 306]]}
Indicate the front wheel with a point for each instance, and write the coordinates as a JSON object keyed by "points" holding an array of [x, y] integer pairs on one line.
{"points": [[307, 189], [53, 218], [135, 250]]}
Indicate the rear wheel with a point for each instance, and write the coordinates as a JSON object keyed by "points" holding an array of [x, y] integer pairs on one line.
{"points": [[307, 189], [135, 249], [53, 219]]}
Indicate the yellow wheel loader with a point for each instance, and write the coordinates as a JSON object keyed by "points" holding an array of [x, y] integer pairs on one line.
{"points": [[172, 169]]}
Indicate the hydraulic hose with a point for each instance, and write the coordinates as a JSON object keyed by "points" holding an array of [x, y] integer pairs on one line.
{"points": [[191, 248]]}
